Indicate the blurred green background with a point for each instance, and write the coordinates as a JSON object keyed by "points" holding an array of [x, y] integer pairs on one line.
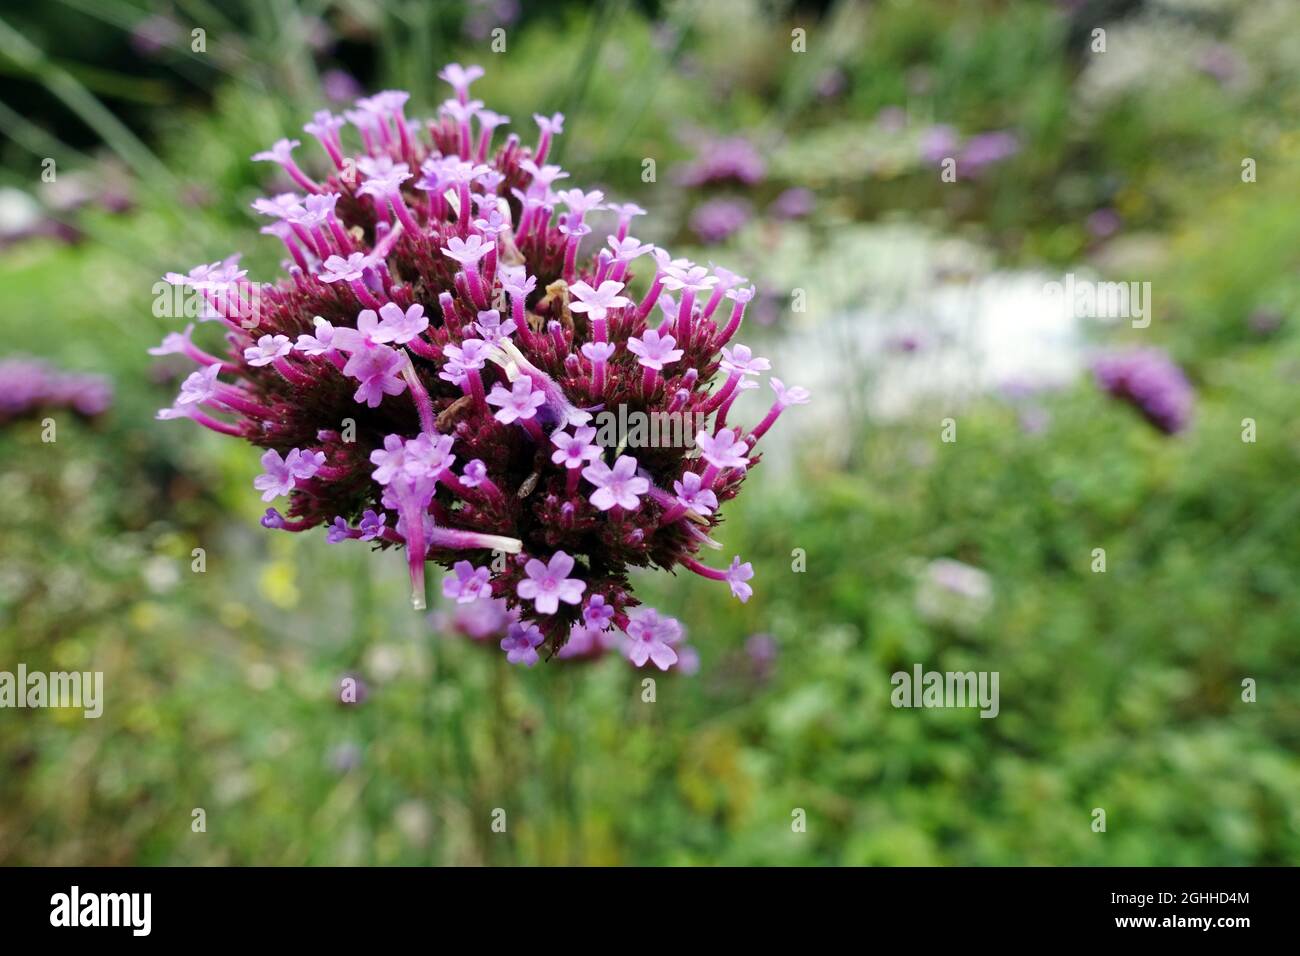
{"points": [[899, 299]]}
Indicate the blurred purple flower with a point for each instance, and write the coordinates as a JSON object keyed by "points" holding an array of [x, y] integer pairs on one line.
{"points": [[1150, 381]]}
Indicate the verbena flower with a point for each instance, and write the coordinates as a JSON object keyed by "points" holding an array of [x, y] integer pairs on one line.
{"points": [[28, 387], [1150, 381], [426, 375]]}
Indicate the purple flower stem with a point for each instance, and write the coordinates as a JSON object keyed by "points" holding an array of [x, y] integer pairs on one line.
{"points": [[301, 178], [423, 349], [232, 397], [224, 428], [649, 382], [651, 297], [714, 301], [571, 259], [291, 374], [403, 214], [475, 382], [423, 404], [769, 419], [733, 323], [715, 401], [684, 311], [713, 574], [534, 429], [364, 295], [454, 539], [341, 237]]}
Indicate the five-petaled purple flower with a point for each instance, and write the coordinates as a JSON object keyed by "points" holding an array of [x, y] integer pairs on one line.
{"points": [[619, 485], [548, 584]]}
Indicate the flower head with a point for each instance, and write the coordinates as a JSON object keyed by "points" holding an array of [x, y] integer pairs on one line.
{"points": [[445, 355]]}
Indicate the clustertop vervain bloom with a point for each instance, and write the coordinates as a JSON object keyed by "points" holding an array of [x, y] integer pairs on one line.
{"points": [[425, 376], [1149, 379]]}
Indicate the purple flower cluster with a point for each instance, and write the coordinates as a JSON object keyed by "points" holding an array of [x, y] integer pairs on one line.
{"points": [[719, 219], [976, 155], [28, 387], [427, 374], [1150, 381], [731, 160], [650, 638]]}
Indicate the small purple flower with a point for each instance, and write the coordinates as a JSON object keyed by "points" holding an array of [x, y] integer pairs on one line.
{"points": [[428, 456], [280, 152], [597, 614], [460, 77], [317, 344], [516, 281], [599, 351], [475, 473], [337, 532], [389, 461], [281, 474], [794, 395], [400, 327], [267, 350], [723, 450], [174, 343], [692, 495], [379, 370], [597, 302], [742, 360], [490, 326], [338, 269], [467, 251], [654, 351], [467, 583], [736, 577], [650, 638], [518, 404], [521, 643], [548, 584], [199, 387], [553, 124], [574, 451], [619, 485], [372, 524]]}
